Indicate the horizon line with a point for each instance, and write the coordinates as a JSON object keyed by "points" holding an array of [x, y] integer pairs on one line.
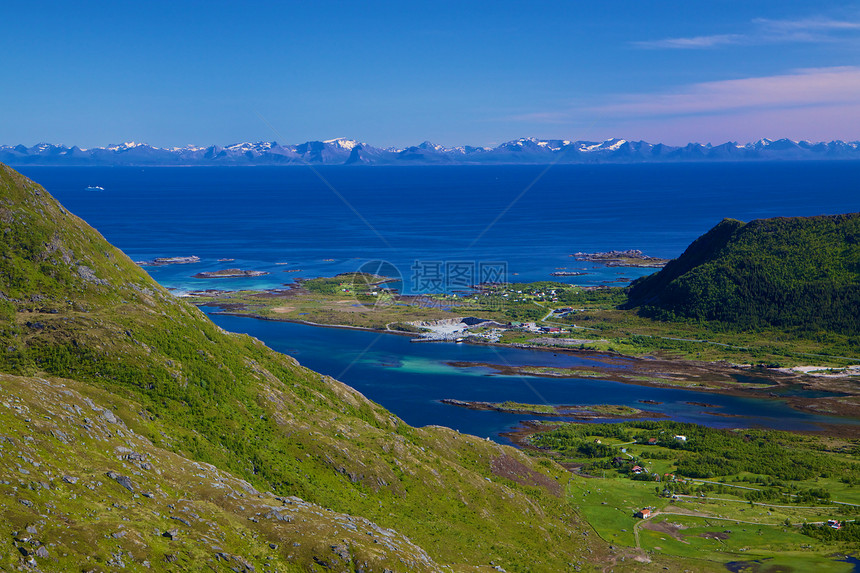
{"points": [[565, 142]]}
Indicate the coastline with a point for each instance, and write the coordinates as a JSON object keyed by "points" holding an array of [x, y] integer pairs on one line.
{"points": [[664, 373], [307, 322]]}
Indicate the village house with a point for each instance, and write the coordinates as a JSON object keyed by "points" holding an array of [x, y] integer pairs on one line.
{"points": [[643, 513]]}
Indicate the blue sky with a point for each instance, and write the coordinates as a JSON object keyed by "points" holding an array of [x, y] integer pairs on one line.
{"points": [[395, 74]]}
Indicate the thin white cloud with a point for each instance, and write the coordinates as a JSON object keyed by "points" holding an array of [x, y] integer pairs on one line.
{"points": [[811, 88], [807, 24], [818, 104], [764, 31], [695, 42], [826, 123]]}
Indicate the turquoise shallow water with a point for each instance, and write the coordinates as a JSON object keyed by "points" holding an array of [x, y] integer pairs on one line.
{"points": [[410, 380]]}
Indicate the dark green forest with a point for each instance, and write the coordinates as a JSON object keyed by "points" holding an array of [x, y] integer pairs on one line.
{"points": [[799, 273]]}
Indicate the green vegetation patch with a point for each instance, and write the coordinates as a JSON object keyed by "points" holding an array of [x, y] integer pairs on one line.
{"points": [[509, 406], [799, 272], [777, 458], [633, 466]]}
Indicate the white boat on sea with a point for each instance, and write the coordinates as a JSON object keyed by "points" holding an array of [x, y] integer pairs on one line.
{"points": [[95, 188]]}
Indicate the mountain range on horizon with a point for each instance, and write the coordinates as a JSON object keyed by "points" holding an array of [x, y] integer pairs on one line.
{"points": [[343, 151]]}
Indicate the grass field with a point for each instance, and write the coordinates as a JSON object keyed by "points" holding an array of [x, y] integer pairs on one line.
{"points": [[707, 520]]}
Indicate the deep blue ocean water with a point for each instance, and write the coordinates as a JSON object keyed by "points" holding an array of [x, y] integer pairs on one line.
{"points": [[322, 225], [261, 216]]}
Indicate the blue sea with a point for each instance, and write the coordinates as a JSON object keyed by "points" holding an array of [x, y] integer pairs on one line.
{"points": [[527, 220], [336, 218]]}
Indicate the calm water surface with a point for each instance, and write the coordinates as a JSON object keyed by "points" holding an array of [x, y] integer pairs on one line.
{"points": [[410, 379]]}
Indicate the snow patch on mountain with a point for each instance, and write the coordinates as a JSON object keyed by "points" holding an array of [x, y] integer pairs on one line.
{"points": [[342, 143]]}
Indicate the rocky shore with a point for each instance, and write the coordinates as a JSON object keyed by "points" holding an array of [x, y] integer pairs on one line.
{"points": [[229, 274], [161, 261], [628, 258]]}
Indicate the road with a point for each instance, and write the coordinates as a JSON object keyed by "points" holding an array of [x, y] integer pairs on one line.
{"points": [[757, 489], [701, 341], [748, 348], [709, 498], [725, 484]]}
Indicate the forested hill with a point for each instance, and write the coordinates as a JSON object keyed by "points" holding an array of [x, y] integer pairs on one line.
{"points": [[799, 273]]}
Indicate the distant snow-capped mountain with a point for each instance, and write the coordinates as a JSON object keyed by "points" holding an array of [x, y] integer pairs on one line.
{"points": [[351, 152]]}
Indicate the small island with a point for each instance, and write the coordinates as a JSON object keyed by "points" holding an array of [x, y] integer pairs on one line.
{"points": [[628, 258], [229, 274], [587, 412], [160, 261]]}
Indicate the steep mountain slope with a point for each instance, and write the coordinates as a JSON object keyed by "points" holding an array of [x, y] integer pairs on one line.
{"points": [[796, 273], [82, 489], [74, 307]]}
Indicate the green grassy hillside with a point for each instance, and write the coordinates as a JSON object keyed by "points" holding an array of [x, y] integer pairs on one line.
{"points": [[84, 490], [74, 307], [798, 273]]}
